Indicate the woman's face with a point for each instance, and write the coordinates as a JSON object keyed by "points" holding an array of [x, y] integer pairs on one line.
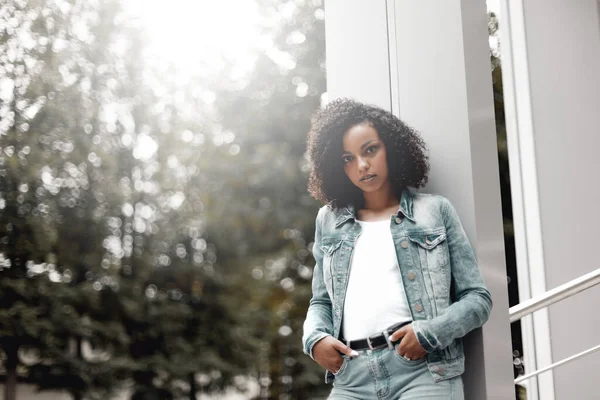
{"points": [[364, 158]]}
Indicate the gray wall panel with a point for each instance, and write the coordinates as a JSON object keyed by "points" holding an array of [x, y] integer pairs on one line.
{"points": [[564, 57], [444, 80]]}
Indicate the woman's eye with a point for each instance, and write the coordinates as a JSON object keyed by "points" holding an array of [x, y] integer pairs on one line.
{"points": [[347, 159], [371, 149]]}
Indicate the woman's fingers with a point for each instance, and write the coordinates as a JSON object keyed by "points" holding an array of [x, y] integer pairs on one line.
{"points": [[409, 346], [336, 364], [342, 348], [400, 333]]}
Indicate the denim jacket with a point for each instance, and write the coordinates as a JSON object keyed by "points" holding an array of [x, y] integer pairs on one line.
{"points": [[444, 288]]}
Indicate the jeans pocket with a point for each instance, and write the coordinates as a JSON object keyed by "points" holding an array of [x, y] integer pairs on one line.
{"points": [[406, 361], [343, 367]]}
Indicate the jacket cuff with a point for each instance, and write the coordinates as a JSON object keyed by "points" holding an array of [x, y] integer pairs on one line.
{"points": [[312, 340], [427, 341]]}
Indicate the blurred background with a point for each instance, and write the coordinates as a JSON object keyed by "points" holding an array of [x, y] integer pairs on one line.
{"points": [[155, 229]]}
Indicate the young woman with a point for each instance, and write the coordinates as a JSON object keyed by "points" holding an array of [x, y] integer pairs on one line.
{"points": [[396, 284]]}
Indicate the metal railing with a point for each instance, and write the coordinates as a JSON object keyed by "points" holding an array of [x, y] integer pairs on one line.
{"points": [[550, 297]]}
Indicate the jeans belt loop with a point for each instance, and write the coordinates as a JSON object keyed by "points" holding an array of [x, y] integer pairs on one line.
{"points": [[386, 335], [369, 343]]}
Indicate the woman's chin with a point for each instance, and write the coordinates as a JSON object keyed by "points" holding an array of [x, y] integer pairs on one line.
{"points": [[368, 187]]}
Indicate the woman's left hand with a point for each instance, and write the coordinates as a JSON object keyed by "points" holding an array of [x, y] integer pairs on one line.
{"points": [[409, 346]]}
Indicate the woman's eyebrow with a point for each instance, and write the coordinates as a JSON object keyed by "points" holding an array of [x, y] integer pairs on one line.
{"points": [[362, 147], [365, 144]]}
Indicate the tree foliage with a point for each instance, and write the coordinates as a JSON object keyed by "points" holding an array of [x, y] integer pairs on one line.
{"points": [[144, 246]]}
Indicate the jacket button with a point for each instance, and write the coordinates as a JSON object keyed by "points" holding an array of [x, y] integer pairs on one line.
{"points": [[441, 371], [398, 220], [418, 307], [411, 276], [404, 244]]}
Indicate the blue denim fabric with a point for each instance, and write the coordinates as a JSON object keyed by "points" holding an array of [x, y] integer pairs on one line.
{"points": [[383, 374], [443, 284]]}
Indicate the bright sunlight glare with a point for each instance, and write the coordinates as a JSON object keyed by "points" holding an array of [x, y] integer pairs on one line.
{"points": [[200, 37]]}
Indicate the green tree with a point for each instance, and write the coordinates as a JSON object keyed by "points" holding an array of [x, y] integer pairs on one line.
{"points": [[268, 213], [56, 197]]}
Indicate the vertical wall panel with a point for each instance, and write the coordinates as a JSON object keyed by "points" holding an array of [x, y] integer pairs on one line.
{"points": [[357, 51], [445, 91], [563, 43]]}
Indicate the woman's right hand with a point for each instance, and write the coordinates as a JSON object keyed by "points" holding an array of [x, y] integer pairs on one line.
{"points": [[326, 353]]}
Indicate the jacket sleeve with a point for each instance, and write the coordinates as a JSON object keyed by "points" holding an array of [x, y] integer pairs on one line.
{"points": [[472, 300], [318, 323]]}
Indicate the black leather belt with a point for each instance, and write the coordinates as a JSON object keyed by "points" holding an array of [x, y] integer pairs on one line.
{"points": [[377, 340]]}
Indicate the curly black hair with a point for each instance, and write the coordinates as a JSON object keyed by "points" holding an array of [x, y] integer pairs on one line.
{"points": [[407, 158]]}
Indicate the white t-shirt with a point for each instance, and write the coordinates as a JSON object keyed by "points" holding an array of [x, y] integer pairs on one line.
{"points": [[375, 297]]}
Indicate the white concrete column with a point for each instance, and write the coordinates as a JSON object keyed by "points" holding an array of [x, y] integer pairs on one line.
{"points": [[357, 51], [439, 81]]}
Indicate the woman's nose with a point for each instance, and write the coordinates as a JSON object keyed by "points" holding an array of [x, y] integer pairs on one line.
{"points": [[362, 164]]}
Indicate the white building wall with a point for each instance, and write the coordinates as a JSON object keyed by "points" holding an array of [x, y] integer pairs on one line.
{"points": [[551, 74], [563, 51]]}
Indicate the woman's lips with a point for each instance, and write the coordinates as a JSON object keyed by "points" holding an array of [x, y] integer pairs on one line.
{"points": [[368, 178]]}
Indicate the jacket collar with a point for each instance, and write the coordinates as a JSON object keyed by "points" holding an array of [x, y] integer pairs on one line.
{"points": [[405, 208]]}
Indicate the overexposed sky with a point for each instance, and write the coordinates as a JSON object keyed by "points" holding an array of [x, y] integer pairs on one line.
{"points": [[197, 35], [493, 5]]}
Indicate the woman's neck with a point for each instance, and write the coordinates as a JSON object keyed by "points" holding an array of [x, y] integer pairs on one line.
{"points": [[381, 199], [381, 204], [378, 205]]}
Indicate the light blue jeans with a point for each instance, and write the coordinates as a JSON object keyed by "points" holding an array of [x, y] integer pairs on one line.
{"points": [[384, 374]]}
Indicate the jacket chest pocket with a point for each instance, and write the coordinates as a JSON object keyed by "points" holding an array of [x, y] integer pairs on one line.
{"points": [[329, 252], [433, 247], [433, 255]]}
